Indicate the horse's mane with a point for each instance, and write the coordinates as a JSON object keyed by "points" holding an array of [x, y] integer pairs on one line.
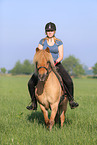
{"points": [[42, 55]]}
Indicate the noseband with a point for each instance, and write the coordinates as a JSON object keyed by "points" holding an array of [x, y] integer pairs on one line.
{"points": [[47, 69]]}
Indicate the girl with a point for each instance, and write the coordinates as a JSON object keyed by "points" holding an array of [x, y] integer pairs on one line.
{"points": [[56, 49]]}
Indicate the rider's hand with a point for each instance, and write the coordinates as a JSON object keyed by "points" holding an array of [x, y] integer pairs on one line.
{"points": [[55, 63]]}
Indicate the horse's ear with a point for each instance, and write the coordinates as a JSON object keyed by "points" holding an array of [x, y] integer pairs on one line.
{"points": [[37, 49], [47, 49]]}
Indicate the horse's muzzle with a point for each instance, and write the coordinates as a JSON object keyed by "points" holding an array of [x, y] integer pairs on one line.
{"points": [[42, 77]]}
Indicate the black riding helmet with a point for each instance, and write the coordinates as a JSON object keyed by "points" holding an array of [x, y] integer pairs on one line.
{"points": [[50, 26]]}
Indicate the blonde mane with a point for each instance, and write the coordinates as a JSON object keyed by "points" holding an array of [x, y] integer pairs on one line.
{"points": [[44, 56]]}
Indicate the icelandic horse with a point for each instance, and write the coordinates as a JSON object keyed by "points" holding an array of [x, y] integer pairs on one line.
{"points": [[48, 91]]}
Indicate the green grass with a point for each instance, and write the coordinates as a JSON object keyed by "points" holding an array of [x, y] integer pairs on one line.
{"points": [[18, 126]]}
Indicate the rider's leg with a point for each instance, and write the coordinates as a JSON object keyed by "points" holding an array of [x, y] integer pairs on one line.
{"points": [[31, 87], [68, 85]]}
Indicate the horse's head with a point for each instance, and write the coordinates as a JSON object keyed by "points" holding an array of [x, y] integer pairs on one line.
{"points": [[43, 61]]}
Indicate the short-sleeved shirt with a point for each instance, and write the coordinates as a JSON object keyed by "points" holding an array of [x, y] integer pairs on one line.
{"points": [[53, 49]]}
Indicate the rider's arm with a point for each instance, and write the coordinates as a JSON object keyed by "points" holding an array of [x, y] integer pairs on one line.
{"points": [[60, 49]]}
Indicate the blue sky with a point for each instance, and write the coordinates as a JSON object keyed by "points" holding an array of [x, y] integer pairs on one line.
{"points": [[22, 24]]}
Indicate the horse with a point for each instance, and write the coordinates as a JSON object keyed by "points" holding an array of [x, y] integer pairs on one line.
{"points": [[48, 91]]}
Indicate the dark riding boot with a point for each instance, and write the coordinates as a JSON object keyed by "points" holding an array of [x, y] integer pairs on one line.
{"points": [[31, 87], [73, 104], [33, 106], [70, 97]]}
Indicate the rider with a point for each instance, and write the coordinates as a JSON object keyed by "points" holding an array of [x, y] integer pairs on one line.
{"points": [[56, 48]]}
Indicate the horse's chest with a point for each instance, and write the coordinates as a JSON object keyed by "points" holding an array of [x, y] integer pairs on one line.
{"points": [[43, 97], [47, 93]]}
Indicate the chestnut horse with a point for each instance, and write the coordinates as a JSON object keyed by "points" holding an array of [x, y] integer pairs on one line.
{"points": [[48, 90]]}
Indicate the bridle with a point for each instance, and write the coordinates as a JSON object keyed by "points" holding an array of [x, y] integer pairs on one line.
{"points": [[47, 69]]}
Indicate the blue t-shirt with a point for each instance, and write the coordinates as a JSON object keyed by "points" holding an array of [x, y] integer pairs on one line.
{"points": [[53, 49]]}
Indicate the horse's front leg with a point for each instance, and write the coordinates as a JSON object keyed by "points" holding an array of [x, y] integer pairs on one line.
{"points": [[54, 108], [45, 113]]}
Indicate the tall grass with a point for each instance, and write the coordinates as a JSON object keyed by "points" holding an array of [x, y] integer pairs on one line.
{"points": [[18, 126]]}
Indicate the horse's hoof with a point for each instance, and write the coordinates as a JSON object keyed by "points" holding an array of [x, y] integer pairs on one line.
{"points": [[49, 128]]}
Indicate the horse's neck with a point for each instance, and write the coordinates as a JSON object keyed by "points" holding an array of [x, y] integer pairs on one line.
{"points": [[51, 78], [55, 76]]}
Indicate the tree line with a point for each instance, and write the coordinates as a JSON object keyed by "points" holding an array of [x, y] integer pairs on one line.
{"points": [[71, 64], [23, 68]]}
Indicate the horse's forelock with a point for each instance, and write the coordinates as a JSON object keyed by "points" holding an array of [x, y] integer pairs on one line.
{"points": [[43, 55]]}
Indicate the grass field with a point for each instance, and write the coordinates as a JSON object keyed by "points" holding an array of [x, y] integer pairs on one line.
{"points": [[18, 126]]}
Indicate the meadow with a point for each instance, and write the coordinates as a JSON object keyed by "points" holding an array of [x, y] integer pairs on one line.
{"points": [[18, 126]]}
